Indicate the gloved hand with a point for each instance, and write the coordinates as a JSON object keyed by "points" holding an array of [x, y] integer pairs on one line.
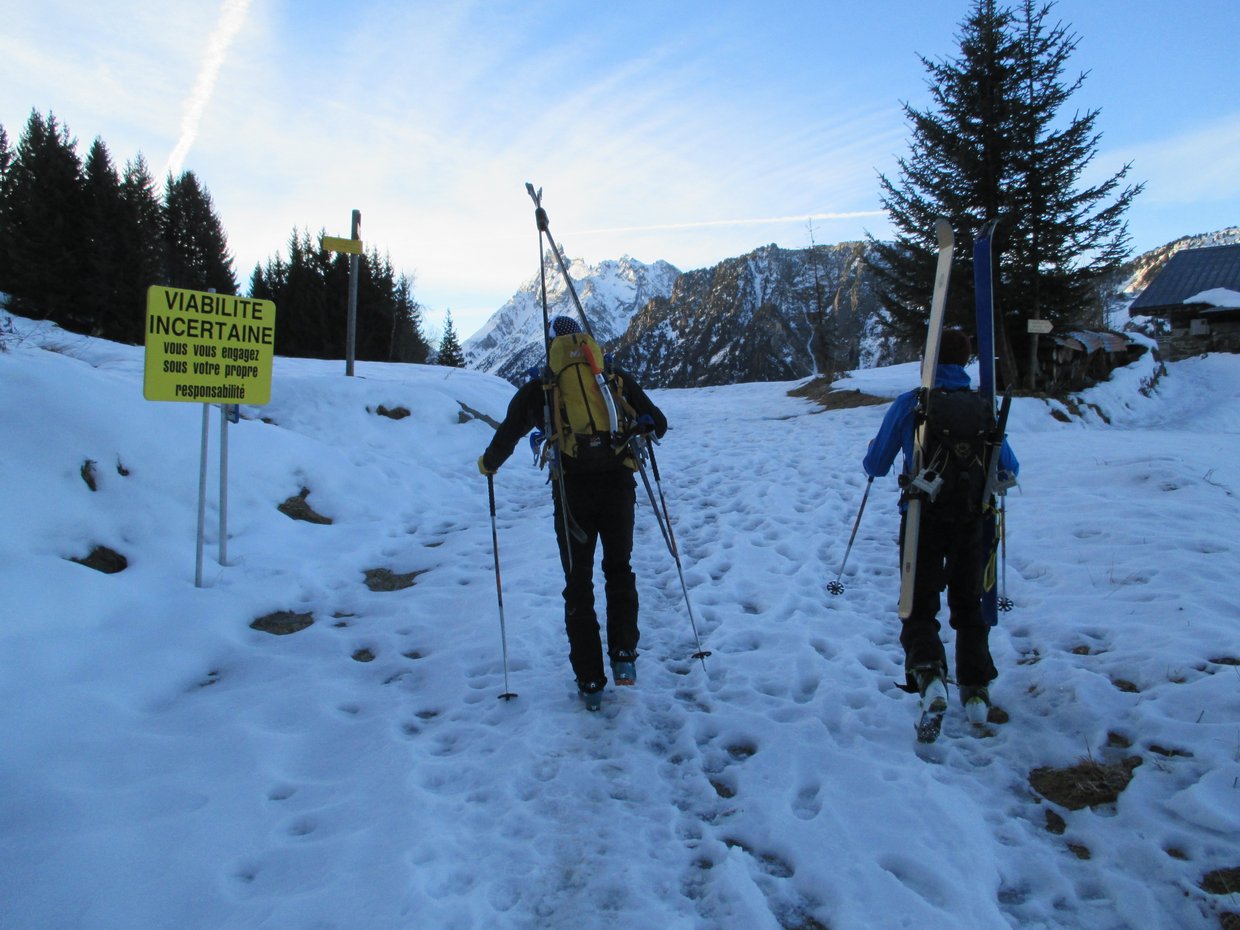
{"points": [[646, 423], [482, 466]]}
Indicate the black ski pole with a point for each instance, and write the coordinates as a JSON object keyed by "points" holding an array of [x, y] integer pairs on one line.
{"points": [[544, 228], [837, 586], [665, 523], [1005, 603], [571, 529], [499, 588]]}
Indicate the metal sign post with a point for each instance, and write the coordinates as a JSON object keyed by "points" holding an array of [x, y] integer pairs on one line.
{"points": [[353, 248], [209, 348]]}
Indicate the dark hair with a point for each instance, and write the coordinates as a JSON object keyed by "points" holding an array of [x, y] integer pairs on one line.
{"points": [[955, 347]]}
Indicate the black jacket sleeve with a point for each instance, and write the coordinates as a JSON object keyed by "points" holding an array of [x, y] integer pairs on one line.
{"points": [[525, 411], [640, 402]]}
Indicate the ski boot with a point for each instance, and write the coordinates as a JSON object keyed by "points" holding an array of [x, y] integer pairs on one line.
{"points": [[591, 693], [976, 701], [624, 668], [933, 702]]}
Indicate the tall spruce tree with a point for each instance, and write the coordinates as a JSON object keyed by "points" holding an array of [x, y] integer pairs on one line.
{"points": [[311, 290], [42, 202], [141, 236], [995, 144], [6, 156], [196, 248], [449, 346], [104, 253]]}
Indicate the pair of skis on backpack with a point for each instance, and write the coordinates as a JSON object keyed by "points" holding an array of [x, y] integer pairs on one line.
{"points": [[985, 347]]}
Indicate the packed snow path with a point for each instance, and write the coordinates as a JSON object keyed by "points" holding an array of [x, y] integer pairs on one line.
{"points": [[169, 766]]}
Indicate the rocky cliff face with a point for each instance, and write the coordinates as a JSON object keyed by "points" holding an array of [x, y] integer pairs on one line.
{"points": [[772, 315]]}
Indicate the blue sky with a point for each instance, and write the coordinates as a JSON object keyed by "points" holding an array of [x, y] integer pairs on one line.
{"points": [[684, 131]]}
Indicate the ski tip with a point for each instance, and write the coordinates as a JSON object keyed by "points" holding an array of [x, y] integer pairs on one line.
{"points": [[943, 229]]}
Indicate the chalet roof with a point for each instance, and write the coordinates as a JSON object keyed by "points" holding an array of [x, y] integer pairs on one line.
{"points": [[1186, 274]]}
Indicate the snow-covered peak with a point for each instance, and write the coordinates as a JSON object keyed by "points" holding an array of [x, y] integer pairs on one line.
{"points": [[611, 292]]}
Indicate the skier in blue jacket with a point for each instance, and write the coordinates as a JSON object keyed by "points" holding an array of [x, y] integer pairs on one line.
{"points": [[950, 554]]}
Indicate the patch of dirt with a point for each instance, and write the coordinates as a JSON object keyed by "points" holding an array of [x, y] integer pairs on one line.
{"points": [[820, 392], [88, 474], [283, 622], [363, 655], [1086, 784], [296, 508], [1222, 881], [103, 559], [384, 579], [393, 413]]}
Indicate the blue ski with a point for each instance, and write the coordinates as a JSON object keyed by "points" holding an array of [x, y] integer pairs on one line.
{"points": [[983, 287]]}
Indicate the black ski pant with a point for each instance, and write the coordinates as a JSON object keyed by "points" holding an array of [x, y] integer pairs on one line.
{"points": [[601, 505], [951, 556]]}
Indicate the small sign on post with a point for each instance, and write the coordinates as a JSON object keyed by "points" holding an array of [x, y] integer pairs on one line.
{"points": [[1039, 326], [336, 244]]}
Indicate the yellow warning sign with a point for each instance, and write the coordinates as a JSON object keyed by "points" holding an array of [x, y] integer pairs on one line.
{"points": [[208, 348], [336, 244]]}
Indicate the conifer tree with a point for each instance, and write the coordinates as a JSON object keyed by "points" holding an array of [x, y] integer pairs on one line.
{"points": [[196, 246], [6, 156], [310, 290], [104, 254], [141, 236], [41, 207], [992, 146], [449, 346]]}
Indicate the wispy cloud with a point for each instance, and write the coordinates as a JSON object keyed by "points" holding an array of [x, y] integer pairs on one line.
{"points": [[232, 18], [753, 221]]}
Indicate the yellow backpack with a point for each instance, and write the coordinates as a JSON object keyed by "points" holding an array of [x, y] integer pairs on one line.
{"points": [[582, 417]]}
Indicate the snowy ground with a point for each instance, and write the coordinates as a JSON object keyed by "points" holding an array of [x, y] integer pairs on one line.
{"points": [[167, 766]]}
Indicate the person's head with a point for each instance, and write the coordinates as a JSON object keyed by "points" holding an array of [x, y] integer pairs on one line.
{"points": [[563, 325], [955, 347]]}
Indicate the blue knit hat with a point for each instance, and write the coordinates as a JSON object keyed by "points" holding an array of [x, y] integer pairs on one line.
{"points": [[563, 325]]}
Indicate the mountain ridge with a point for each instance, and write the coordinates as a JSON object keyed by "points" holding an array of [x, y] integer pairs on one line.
{"points": [[770, 314]]}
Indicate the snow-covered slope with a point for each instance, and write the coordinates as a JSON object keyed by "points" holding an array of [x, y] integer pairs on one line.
{"points": [[165, 764]]}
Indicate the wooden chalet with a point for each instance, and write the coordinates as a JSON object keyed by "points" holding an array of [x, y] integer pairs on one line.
{"points": [[1211, 322]]}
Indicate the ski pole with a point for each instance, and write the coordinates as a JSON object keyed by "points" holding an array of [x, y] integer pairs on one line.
{"points": [[499, 589], [836, 586], [570, 525], [1005, 603], [665, 524], [544, 229]]}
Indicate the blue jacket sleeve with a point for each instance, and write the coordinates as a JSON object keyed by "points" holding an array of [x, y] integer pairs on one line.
{"points": [[1007, 460], [894, 435]]}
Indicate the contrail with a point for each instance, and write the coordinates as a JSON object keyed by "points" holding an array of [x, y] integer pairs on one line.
{"points": [[762, 221], [232, 17]]}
